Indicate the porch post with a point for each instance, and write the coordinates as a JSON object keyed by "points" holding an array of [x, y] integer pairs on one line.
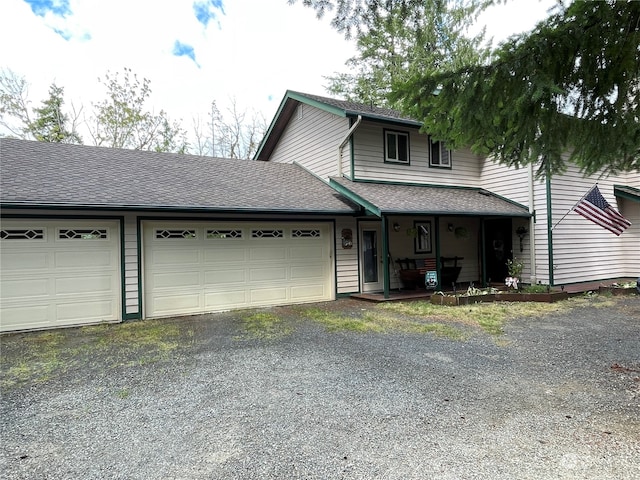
{"points": [[385, 257], [436, 240], [549, 224]]}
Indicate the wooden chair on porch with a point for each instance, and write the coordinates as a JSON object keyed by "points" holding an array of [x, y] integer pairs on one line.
{"points": [[449, 271], [412, 272]]}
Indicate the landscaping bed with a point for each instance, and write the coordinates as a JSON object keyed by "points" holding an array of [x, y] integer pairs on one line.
{"points": [[618, 290], [464, 299]]}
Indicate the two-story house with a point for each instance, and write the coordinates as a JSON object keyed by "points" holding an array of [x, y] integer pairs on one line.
{"points": [[424, 201], [339, 193]]}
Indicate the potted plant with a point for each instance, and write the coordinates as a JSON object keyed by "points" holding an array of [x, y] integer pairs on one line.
{"points": [[514, 269]]}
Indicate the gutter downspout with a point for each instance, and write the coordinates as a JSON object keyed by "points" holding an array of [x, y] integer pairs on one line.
{"points": [[532, 229], [344, 142]]}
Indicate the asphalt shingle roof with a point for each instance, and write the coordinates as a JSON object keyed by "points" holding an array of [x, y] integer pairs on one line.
{"points": [[355, 108], [50, 174], [339, 107], [429, 200]]}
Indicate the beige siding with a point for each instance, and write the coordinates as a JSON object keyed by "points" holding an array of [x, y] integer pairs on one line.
{"points": [[452, 245], [511, 183], [401, 244], [311, 139], [132, 299], [582, 250], [631, 238], [347, 279], [515, 184], [370, 165]]}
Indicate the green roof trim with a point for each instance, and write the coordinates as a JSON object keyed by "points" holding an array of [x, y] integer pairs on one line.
{"points": [[393, 198], [355, 198], [302, 98], [340, 108], [626, 192], [154, 208]]}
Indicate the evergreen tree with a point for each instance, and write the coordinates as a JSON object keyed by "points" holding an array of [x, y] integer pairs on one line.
{"points": [[50, 122], [397, 37], [569, 91]]}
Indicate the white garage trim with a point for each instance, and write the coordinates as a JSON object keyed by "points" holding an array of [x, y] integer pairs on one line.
{"points": [[199, 267], [56, 273]]}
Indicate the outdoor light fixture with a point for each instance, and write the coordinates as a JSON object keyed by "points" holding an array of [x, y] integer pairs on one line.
{"points": [[396, 227], [347, 238], [521, 232]]}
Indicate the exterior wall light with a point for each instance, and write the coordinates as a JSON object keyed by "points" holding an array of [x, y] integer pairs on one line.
{"points": [[347, 238]]}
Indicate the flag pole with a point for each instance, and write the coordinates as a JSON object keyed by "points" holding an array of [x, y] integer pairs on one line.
{"points": [[574, 205]]}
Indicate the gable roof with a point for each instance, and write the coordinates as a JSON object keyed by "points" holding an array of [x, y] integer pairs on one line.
{"points": [[389, 198], [342, 108], [40, 174]]}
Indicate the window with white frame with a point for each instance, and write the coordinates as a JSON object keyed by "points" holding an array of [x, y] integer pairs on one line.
{"points": [[439, 154], [396, 147]]}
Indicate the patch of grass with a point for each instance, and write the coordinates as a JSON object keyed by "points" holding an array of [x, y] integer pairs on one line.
{"points": [[265, 325], [536, 288], [136, 335], [38, 356], [334, 322], [597, 300], [123, 393], [490, 317], [378, 322]]}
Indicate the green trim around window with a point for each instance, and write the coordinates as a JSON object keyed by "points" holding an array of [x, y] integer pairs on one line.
{"points": [[398, 150], [440, 144]]}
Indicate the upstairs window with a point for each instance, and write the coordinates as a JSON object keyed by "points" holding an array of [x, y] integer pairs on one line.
{"points": [[439, 155], [396, 147]]}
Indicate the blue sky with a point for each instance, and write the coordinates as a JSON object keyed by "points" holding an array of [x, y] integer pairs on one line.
{"points": [[192, 51]]}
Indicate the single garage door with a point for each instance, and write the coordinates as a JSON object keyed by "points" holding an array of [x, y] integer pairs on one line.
{"points": [[57, 273], [206, 267]]}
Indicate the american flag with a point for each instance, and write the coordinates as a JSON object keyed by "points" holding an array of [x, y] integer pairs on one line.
{"points": [[594, 207]]}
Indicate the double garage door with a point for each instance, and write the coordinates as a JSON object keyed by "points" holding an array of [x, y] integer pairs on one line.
{"points": [[58, 273], [200, 267]]}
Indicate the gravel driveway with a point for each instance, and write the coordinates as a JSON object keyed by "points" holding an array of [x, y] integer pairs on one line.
{"points": [[210, 397]]}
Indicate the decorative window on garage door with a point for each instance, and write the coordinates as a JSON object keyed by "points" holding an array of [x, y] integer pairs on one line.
{"points": [[302, 233], [226, 234], [176, 233], [83, 234], [22, 234], [267, 233]]}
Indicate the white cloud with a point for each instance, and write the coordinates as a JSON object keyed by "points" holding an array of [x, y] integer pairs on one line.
{"points": [[254, 52]]}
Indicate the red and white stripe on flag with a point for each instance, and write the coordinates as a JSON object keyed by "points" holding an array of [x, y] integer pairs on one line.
{"points": [[594, 207]]}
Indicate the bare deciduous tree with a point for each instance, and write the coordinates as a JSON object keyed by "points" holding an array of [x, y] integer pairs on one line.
{"points": [[15, 115]]}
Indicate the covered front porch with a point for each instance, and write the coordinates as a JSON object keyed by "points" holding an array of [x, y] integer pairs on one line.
{"points": [[416, 239]]}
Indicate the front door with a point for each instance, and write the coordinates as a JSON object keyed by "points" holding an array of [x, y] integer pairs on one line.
{"points": [[371, 258], [497, 248]]}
